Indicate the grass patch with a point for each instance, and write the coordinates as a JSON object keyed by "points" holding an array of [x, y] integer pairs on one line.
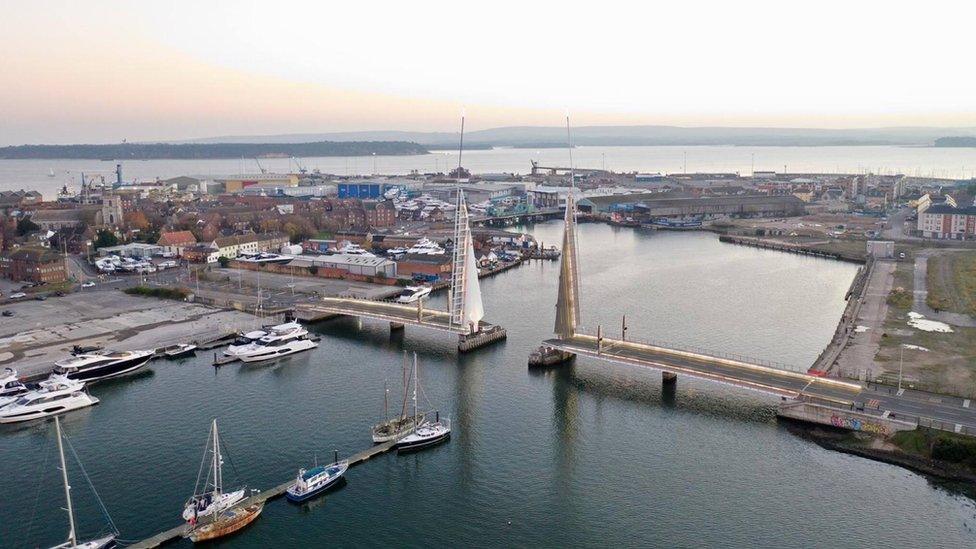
{"points": [[951, 282], [179, 294], [900, 298], [941, 445]]}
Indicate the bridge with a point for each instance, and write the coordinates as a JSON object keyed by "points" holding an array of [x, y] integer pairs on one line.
{"points": [[465, 313], [742, 372]]}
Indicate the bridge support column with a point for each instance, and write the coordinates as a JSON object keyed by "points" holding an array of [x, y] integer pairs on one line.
{"points": [[396, 326], [669, 378]]}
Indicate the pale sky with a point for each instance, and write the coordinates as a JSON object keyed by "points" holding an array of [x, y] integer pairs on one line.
{"points": [[101, 71]]}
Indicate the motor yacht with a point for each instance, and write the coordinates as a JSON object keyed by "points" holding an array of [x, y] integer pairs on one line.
{"points": [[316, 481], [101, 365], [56, 395], [411, 294], [270, 348], [9, 384], [243, 341], [425, 246]]}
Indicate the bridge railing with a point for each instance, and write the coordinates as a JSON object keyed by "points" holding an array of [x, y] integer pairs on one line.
{"points": [[701, 351]]}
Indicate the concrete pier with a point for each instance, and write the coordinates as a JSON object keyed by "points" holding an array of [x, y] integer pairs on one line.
{"points": [[487, 336]]}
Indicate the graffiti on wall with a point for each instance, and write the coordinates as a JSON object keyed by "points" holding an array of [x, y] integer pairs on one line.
{"points": [[856, 424]]}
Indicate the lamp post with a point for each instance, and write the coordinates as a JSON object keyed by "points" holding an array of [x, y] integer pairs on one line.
{"points": [[901, 364]]}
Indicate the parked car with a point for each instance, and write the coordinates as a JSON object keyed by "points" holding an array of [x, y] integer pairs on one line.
{"points": [[88, 284], [41, 298], [8, 313], [18, 295]]}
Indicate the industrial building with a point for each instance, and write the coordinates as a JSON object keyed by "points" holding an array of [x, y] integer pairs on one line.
{"points": [[351, 263], [659, 205]]}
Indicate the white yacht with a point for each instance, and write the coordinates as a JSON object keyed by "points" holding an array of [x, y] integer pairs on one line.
{"points": [[398, 252], [425, 432], [425, 246], [353, 249], [271, 348], [56, 395], [411, 294], [244, 341], [10, 385], [102, 365]]}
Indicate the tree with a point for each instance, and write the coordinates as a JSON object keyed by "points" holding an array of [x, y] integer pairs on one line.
{"points": [[459, 173], [224, 261], [105, 238], [136, 220], [25, 225]]}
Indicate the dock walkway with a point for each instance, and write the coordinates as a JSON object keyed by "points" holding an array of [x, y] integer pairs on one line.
{"points": [[260, 497]]}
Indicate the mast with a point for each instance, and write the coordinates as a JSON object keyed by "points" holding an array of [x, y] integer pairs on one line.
{"points": [[218, 481], [416, 382], [386, 402], [67, 488]]}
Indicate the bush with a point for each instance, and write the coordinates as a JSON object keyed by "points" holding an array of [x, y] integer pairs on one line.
{"points": [[224, 261], [179, 294]]}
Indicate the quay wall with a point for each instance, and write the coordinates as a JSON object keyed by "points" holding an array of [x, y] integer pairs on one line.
{"points": [[851, 420]]}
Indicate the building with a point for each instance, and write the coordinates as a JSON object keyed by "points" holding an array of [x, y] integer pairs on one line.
{"points": [[429, 266], [19, 199], [948, 222], [175, 241], [233, 246], [137, 250], [660, 205], [351, 263], [111, 209], [34, 264], [881, 249], [237, 183], [380, 214], [56, 220]]}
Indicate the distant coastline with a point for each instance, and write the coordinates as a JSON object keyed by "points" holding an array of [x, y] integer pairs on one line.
{"points": [[955, 142], [195, 151]]}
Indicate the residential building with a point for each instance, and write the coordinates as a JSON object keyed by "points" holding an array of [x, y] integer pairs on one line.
{"points": [[948, 222], [175, 241]]}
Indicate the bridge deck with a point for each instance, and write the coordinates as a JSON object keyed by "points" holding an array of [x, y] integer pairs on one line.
{"points": [[385, 310], [743, 374]]}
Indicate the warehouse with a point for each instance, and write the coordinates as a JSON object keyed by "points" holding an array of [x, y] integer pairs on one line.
{"points": [[658, 205], [351, 263]]}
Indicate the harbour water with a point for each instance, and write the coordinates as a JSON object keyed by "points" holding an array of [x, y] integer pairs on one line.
{"points": [[922, 161], [585, 455]]}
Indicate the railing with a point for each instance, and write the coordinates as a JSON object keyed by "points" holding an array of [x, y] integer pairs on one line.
{"points": [[700, 351]]}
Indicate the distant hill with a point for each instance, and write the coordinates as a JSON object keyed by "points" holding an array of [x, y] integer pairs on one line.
{"points": [[955, 142], [547, 136], [155, 151]]}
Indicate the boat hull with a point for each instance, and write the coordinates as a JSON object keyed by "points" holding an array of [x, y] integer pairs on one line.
{"points": [[282, 352], [405, 429], [115, 369], [16, 416], [325, 487], [413, 446], [229, 522]]}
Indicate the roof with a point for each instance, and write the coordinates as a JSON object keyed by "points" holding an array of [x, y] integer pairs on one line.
{"points": [[35, 254], [345, 260], [947, 209], [239, 239], [173, 238], [434, 259]]}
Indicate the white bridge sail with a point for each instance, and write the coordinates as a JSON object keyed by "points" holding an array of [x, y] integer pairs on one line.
{"points": [[467, 308]]}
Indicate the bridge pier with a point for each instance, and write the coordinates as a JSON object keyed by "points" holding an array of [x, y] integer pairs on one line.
{"points": [[396, 326], [479, 339], [669, 378]]}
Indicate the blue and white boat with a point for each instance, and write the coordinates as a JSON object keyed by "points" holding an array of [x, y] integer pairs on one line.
{"points": [[315, 481]]}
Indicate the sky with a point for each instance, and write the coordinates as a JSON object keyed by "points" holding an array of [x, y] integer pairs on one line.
{"points": [[103, 71]]}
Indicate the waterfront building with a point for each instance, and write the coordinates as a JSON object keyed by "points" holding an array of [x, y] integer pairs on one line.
{"points": [[350, 263], [946, 221], [175, 241]]}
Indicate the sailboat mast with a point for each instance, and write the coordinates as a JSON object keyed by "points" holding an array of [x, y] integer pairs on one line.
{"points": [[416, 382], [386, 402], [218, 481], [67, 488]]}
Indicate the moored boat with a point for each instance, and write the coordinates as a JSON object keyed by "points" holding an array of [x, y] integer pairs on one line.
{"points": [[425, 433], [402, 424], [410, 294], [9, 384], [55, 395], [179, 350], [212, 500], [226, 523], [90, 367], [271, 349], [316, 480]]}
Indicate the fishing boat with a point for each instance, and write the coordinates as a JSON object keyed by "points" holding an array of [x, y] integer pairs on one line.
{"points": [[316, 480], [227, 522], [425, 433], [55, 395], [394, 428], [208, 504], [98, 543]]}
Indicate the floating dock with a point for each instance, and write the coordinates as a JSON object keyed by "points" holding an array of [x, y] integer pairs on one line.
{"points": [[260, 497]]}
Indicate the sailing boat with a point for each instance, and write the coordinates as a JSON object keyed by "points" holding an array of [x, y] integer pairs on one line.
{"points": [[72, 541], [425, 433], [212, 500], [51, 173], [392, 429], [213, 514]]}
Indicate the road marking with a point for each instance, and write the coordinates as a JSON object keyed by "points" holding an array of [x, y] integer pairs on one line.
{"points": [[900, 392], [965, 403], [874, 403]]}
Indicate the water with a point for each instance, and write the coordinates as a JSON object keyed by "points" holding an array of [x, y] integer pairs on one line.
{"points": [[587, 455], [923, 161]]}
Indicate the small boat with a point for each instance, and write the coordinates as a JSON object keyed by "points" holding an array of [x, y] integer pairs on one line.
{"points": [[411, 294], [226, 523], [99, 543], [425, 433], [271, 348], [51, 173], [9, 384], [56, 395], [316, 480], [394, 428], [179, 350], [208, 504], [102, 365]]}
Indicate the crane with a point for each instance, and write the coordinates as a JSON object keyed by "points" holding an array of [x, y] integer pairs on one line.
{"points": [[301, 169], [260, 167]]}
